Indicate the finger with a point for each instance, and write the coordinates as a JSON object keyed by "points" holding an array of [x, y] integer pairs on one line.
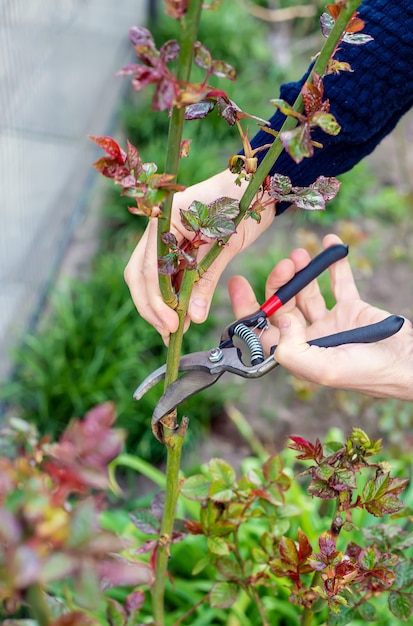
{"points": [[242, 297], [141, 276], [341, 275], [309, 300]]}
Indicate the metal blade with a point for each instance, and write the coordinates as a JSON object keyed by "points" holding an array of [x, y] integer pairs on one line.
{"points": [[149, 382], [188, 385]]}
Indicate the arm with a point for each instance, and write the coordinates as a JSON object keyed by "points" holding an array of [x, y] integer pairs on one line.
{"points": [[383, 369], [367, 102]]}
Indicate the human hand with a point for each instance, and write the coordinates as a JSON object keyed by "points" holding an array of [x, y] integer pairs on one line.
{"points": [[141, 273], [382, 369]]}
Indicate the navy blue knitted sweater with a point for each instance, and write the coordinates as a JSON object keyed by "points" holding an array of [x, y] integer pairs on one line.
{"points": [[367, 102]]}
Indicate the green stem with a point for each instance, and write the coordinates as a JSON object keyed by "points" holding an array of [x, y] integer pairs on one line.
{"points": [[174, 448], [189, 30], [307, 615], [38, 607], [274, 152]]}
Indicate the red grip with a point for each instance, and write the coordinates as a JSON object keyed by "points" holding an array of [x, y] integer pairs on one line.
{"points": [[271, 305]]}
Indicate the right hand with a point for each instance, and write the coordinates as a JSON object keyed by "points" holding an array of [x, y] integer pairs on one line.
{"points": [[141, 273]]}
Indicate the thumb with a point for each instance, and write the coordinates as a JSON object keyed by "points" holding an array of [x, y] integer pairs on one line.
{"points": [[203, 291]]}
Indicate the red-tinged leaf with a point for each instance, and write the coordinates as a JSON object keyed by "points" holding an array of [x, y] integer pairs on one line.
{"points": [[164, 96], [184, 148], [326, 23], [288, 551], [134, 159], [140, 36], [321, 489], [111, 147], [202, 56], [144, 76], [75, 618], [169, 51], [146, 521], [327, 544], [106, 166], [272, 468], [124, 573], [327, 122], [223, 70], [317, 562], [385, 505], [168, 264], [307, 449], [199, 110], [368, 558], [193, 527], [230, 569], [176, 8], [334, 10], [223, 595], [335, 67], [133, 604], [304, 546], [355, 25], [297, 142], [327, 186], [401, 605], [147, 546], [343, 479], [312, 95], [309, 200], [169, 240]]}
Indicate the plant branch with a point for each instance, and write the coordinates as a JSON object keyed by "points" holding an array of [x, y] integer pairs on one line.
{"points": [[290, 123], [189, 30]]}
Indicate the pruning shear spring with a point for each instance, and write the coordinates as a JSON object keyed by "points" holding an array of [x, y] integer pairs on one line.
{"points": [[203, 369]]}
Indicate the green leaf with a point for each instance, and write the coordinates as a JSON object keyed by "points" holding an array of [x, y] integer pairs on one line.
{"points": [[272, 468], [401, 605], [218, 545], [327, 122], [114, 613], [404, 574], [146, 521], [223, 70], [196, 487], [368, 558], [345, 616], [288, 551], [367, 612], [221, 470], [201, 565], [202, 56], [220, 492], [229, 568], [223, 595], [83, 524], [285, 108], [298, 142]]}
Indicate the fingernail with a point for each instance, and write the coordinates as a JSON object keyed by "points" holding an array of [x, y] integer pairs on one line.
{"points": [[197, 310]]}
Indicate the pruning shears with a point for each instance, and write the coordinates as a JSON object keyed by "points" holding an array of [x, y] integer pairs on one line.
{"points": [[203, 369]]}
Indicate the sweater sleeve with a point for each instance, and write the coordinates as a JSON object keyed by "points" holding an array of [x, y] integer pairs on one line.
{"points": [[367, 102]]}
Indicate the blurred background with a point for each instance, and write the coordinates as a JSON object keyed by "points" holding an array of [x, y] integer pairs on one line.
{"points": [[69, 334]]}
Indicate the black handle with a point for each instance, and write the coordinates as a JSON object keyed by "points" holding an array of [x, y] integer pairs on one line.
{"points": [[302, 278], [365, 334]]}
